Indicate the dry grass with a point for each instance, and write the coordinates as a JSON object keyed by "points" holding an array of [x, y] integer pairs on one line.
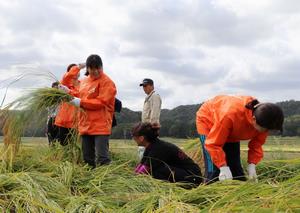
{"points": [[46, 179], [22, 112]]}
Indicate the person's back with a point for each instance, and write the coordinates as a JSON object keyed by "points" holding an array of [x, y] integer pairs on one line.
{"points": [[229, 111], [164, 160], [160, 153]]}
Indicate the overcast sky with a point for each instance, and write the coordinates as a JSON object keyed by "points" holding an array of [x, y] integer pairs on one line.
{"points": [[192, 49]]}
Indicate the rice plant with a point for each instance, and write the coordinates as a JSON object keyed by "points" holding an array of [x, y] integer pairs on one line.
{"points": [[40, 182], [24, 111]]}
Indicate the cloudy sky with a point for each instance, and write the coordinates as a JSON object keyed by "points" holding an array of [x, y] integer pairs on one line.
{"points": [[192, 49]]}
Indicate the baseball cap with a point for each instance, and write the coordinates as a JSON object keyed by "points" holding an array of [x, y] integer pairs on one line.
{"points": [[146, 81]]}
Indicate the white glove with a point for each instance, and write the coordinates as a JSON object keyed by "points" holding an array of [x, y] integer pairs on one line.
{"points": [[141, 150], [81, 65], [225, 173], [252, 172], [75, 101], [63, 88]]}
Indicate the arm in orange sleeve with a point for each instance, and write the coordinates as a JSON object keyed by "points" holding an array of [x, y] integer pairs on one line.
{"points": [[106, 96], [69, 76], [216, 139], [74, 93], [255, 151]]}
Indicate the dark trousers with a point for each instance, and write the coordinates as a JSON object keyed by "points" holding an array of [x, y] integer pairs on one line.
{"points": [[95, 149], [233, 159], [65, 135], [52, 130]]}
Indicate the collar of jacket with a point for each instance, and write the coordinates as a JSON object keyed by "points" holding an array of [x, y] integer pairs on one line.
{"points": [[100, 76], [150, 94]]}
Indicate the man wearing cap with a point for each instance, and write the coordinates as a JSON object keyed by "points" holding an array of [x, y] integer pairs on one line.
{"points": [[152, 103], [152, 106]]}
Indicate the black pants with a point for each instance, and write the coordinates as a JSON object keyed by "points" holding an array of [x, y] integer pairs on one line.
{"points": [[233, 159], [52, 130], [95, 149], [175, 174], [65, 135]]}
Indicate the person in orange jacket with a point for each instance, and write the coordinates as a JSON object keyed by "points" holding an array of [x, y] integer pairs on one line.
{"points": [[96, 98], [66, 116], [225, 120]]}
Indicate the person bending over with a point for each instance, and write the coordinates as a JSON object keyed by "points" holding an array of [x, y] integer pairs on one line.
{"points": [[225, 120]]}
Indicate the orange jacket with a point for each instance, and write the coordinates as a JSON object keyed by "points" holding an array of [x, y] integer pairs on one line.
{"points": [[97, 101], [226, 119], [66, 116]]}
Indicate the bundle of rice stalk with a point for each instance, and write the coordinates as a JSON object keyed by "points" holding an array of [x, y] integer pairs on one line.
{"points": [[71, 152], [178, 207], [44, 98], [12, 130], [86, 204], [23, 111], [247, 196], [33, 192], [278, 170]]}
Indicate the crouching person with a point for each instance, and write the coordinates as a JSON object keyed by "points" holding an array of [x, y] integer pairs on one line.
{"points": [[163, 160]]}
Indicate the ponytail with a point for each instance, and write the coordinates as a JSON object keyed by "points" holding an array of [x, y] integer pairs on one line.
{"points": [[148, 130], [252, 105]]}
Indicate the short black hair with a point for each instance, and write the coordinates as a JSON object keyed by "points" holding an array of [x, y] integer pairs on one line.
{"points": [[70, 66], [94, 62], [55, 84], [269, 116]]}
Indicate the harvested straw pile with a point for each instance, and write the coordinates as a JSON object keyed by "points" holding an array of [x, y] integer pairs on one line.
{"points": [[46, 182], [22, 112]]}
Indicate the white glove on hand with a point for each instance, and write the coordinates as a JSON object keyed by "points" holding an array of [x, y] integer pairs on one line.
{"points": [[63, 88], [75, 101], [81, 66], [225, 173], [252, 172], [141, 150]]}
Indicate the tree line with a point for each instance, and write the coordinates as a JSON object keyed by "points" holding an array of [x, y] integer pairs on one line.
{"points": [[178, 122]]}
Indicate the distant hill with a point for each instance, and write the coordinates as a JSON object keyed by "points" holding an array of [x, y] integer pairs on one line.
{"points": [[291, 111], [290, 108], [178, 122]]}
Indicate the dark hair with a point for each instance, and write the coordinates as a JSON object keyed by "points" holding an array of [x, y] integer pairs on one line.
{"points": [[70, 66], [148, 130], [55, 84], [94, 62], [267, 115]]}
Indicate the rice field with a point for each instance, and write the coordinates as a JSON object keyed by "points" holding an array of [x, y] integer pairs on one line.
{"points": [[54, 179]]}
